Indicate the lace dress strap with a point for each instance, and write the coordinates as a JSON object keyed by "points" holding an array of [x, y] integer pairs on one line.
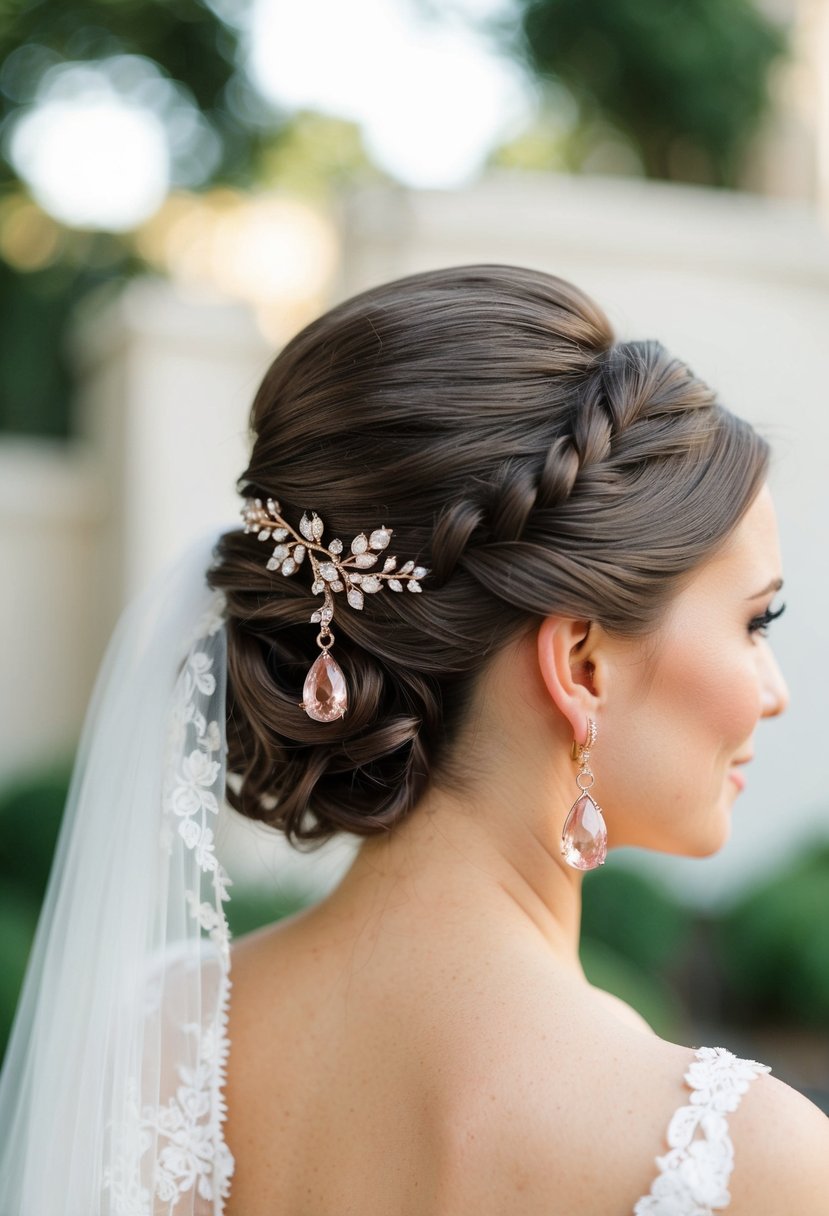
{"points": [[693, 1176]]}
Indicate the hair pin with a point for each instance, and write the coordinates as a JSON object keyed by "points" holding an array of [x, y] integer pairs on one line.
{"points": [[325, 695]]}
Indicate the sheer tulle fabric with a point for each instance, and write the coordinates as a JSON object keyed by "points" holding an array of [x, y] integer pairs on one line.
{"points": [[111, 1092]]}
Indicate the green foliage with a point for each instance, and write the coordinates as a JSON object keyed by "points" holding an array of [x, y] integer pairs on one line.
{"points": [[314, 153], [634, 933], [18, 920], [30, 815], [251, 908], [36, 379], [684, 80], [652, 997], [195, 51], [773, 946], [635, 916], [187, 39]]}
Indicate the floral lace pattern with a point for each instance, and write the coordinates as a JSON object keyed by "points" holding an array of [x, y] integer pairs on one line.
{"points": [[694, 1174], [190, 1157]]}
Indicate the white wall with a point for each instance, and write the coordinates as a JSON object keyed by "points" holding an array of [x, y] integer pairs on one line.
{"points": [[168, 381], [50, 516], [162, 437]]}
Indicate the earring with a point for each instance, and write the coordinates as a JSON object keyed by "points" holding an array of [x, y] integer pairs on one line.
{"points": [[584, 835]]}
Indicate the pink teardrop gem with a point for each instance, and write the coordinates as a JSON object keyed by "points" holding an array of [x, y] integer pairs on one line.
{"points": [[584, 838], [324, 695]]}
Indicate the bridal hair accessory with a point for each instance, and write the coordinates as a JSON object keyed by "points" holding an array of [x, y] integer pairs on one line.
{"points": [[584, 835], [111, 1093], [324, 693]]}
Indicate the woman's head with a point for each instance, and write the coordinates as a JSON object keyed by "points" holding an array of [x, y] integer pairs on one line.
{"points": [[536, 466]]}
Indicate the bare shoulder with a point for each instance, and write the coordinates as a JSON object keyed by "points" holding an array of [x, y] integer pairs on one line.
{"points": [[577, 1125], [781, 1152], [570, 1114]]}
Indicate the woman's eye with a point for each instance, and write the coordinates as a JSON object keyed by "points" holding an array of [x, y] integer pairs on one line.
{"points": [[761, 623]]}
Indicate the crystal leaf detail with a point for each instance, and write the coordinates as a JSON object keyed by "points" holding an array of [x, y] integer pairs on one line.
{"points": [[329, 576], [584, 837], [324, 696]]}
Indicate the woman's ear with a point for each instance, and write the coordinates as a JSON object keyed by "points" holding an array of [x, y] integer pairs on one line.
{"points": [[568, 673]]}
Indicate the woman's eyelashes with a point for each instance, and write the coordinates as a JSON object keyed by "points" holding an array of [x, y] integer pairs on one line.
{"points": [[760, 623]]}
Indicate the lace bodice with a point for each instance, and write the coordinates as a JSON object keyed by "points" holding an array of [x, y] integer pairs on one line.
{"points": [[693, 1175]]}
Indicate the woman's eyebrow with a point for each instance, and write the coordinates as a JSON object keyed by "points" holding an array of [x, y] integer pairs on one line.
{"points": [[774, 585]]}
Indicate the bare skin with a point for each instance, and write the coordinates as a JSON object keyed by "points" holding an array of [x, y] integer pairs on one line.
{"points": [[424, 1039]]}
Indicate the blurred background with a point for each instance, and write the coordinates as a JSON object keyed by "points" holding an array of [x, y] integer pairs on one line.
{"points": [[185, 183]]}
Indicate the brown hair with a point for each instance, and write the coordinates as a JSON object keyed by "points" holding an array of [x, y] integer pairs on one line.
{"points": [[487, 415]]}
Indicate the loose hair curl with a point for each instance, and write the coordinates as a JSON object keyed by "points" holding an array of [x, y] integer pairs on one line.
{"points": [[535, 465]]}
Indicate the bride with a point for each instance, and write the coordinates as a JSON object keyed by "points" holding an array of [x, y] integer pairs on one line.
{"points": [[499, 603]]}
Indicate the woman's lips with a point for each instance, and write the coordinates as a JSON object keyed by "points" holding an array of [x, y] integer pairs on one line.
{"points": [[738, 778]]}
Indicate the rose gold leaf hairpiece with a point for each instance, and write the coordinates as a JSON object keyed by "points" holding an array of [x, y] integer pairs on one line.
{"points": [[331, 574]]}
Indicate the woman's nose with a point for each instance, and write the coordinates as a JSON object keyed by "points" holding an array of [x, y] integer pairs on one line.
{"points": [[775, 689]]}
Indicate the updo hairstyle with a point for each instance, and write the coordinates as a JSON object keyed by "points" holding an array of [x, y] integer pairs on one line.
{"points": [[535, 465]]}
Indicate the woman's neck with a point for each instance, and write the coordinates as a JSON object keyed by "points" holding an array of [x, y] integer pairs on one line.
{"points": [[484, 860]]}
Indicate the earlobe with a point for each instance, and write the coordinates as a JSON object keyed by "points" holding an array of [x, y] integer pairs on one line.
{"points": [[568, 675]]}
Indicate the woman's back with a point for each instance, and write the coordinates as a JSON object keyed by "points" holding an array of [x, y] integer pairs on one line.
{"points": [[452, 1067]]}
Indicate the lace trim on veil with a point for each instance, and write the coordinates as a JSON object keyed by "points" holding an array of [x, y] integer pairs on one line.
{"points": [[190, 1160], [694, 1174]]}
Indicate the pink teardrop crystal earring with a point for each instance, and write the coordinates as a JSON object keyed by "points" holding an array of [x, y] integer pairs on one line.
{"points": [[584, 835]]}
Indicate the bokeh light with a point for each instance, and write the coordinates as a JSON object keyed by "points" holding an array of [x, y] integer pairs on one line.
{"points": [[277, 253], [101, 143]]}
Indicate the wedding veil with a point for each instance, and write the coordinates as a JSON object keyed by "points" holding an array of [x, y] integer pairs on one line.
{"points": [[111, 1097]]}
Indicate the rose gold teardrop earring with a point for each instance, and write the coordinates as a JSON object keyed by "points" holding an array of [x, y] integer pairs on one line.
{"points": [[584, 835]]}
